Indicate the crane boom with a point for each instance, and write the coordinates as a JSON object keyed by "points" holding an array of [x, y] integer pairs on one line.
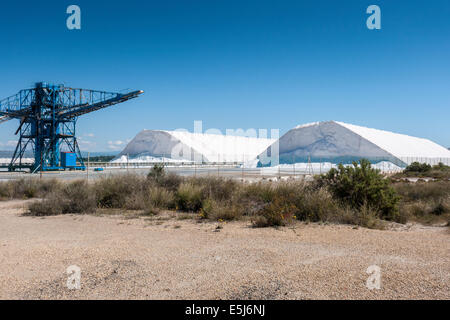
{"points": [[83, 109], [48, 115]]}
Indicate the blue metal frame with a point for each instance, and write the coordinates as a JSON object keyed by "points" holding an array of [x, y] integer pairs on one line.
{"points": [[48, 115]]}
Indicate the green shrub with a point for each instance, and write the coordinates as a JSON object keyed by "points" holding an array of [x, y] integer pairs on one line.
{"points": [[418, 167], [441, 167], [279, 204], [360, 185]]}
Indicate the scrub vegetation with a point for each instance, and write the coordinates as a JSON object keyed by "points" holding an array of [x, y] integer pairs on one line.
{"points": [[357, 195]]}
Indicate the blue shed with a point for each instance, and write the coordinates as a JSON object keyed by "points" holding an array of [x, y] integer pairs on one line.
{"points": [[68, 159]]}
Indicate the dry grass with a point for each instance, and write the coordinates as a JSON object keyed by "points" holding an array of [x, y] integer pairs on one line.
{"points": [[75, 197], [422, 170], [264, 203], [425, 202], [27, 188]]}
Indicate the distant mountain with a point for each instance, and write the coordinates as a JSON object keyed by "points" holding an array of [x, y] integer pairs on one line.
{"points": [[100, 153], [9, 154]]}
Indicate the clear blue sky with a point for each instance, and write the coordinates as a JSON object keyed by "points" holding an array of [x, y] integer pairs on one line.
{"points": [[236, 64]]}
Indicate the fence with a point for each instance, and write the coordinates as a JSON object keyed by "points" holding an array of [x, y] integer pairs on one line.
{"points": [[251, 169]]}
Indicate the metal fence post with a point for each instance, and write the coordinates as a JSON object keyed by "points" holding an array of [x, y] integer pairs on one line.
{"points": [[87, 171]]}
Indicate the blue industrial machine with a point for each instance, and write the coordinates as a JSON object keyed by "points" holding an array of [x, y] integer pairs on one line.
{"points": [[68, 160], [48, 115]]}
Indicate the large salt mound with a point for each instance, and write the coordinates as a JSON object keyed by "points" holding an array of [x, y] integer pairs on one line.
{"points": [[180, 145], [336, 142]]}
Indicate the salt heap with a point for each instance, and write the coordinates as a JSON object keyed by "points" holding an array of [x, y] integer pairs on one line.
{"points": [[176, 146], [339, 142]]}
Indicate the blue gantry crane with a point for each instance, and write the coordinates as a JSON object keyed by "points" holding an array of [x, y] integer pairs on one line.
{"points": [[48, 114]]}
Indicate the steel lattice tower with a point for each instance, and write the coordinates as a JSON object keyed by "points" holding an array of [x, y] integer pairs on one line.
{"points": [[48, 115]]}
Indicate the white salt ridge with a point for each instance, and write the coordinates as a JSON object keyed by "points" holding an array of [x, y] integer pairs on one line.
{"points": [[224, 148], [24, 160], [146, 159], [329, 141], [307, 125], [399, 145], [316, 167], [199, 147]]}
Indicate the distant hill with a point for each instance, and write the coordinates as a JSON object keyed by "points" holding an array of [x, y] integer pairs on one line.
{"points": [[100, 153], [9, 154]]}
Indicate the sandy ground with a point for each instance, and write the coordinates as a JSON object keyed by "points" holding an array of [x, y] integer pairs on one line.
{"points": [[162, 258]]}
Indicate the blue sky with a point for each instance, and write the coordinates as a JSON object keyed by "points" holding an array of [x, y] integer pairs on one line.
{"points": [[236, 64]]}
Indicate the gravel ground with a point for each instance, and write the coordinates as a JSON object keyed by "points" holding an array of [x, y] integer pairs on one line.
{"points": [[167, 258]]}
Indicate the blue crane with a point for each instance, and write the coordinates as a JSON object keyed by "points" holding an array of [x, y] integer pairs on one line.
{"points": [[48, 114]]}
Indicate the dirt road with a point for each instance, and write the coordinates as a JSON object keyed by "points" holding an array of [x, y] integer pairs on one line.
{"points": [[167, 258]]}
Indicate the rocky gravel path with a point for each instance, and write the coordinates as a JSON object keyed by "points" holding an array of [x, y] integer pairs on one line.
{"points": [[163, 257]]}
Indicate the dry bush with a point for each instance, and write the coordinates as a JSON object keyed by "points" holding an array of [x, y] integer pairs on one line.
{"points": [[415, 169], [74, 197], [425, 202], [265, 203], [366, 216], [423, 190], [215, 187], [120, 191], [134, 201], [169, 181], [47, 207], [275, 213], [189, 197], [317, 205], [161, 198], [220, 210], [27, 188], [426, 211]]}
